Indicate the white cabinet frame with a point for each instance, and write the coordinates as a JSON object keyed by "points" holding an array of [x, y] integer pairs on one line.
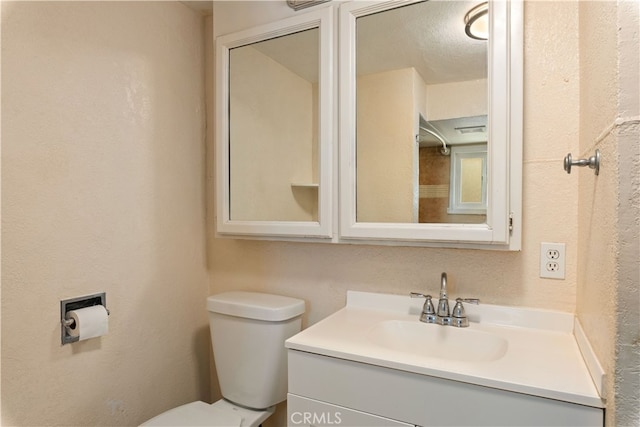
{"points": [[505, 58], [323, 228]]}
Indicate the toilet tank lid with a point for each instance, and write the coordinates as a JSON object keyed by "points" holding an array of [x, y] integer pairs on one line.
{"points": [[255, 305]]}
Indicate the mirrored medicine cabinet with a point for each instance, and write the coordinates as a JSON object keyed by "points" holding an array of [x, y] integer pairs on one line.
{"points": [[429, 146], [274, 129]]}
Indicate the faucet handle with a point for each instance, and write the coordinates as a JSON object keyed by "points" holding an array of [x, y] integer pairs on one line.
{"points": [[428, 311], [418, 295], [458, 309], [458, 316], [428, 314]]}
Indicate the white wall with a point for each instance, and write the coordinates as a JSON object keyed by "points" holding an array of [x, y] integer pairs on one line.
{"points": [[103, 190]]}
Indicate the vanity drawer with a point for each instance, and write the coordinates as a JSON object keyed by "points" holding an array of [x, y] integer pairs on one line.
{"points": [[313, 413], [425, 400]]}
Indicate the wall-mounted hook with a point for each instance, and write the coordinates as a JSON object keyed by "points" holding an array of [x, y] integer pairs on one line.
{"points": [[593, 162]]}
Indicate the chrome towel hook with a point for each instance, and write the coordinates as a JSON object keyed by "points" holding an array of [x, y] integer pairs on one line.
{"points": [[593, 162]]}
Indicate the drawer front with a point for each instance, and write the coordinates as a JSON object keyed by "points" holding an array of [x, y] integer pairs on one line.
{"points": [[303, 412], [424, 400]]}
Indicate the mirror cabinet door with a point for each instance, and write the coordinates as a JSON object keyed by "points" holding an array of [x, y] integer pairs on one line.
{"points": [[274, 128], [431, 123]]}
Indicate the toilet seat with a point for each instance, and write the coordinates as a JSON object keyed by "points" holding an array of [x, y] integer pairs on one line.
{"points": [[219, 414], [195, 414]]}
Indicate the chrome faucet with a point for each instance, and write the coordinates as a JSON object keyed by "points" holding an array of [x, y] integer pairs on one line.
{"points": [[444, 317]]}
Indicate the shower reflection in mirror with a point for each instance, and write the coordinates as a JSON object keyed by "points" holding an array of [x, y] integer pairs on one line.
{"points": [[421, 105], [453, 174]]}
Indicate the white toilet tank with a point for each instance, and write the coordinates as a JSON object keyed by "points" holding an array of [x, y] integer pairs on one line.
{"points": [[248, 331]]}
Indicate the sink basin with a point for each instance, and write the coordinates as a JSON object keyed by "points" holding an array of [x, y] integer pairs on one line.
{"points": [[435, 341]]}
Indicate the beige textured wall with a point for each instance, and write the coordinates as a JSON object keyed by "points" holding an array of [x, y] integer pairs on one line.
{"points": [[608, 304], [209, 88], [627, 381], [102, 190], [596, 299], [322, 273]]}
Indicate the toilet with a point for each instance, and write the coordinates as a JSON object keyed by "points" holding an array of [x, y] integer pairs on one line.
{"points": [[248, 331]]}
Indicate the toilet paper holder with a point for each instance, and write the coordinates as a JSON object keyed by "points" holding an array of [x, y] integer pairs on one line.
{"points": [[77, 303]]}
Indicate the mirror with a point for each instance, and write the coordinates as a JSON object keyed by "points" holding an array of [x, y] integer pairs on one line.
{"points": [[420, 83], [430, 122], [274, 128]]}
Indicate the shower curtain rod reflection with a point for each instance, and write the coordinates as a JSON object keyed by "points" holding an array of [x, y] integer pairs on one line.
{"points": [[444, 150]]}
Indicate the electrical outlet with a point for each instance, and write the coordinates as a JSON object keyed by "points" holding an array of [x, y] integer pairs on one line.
{"points": [[552, 260]]}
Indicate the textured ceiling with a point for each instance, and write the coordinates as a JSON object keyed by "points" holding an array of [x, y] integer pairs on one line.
{"points": [[428, 36]]}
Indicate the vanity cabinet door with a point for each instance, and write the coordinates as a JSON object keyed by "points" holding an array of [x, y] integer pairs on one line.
{"points": [[425, 400], [314, 413]]}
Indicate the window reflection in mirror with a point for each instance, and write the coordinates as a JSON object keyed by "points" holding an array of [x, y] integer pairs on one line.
{"points": [[471, 177], [468, 183], [273, 130], [421, 91]]}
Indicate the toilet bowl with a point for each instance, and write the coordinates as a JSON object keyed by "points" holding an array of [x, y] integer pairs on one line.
{"points": [[248, 331]]}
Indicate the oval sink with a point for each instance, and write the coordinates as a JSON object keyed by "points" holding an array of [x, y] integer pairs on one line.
{"points": [[435, 341]]}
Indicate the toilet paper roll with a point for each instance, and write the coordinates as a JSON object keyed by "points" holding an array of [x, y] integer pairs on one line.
{"points": [[90, 322]]}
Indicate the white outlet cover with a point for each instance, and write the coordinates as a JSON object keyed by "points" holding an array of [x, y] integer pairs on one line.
{"points": [[552, 260]]}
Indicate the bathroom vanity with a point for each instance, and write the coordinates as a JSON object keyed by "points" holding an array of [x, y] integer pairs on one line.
{"points": [[373, 363]]}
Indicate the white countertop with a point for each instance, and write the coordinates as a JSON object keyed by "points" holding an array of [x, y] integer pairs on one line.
{"points": [[542, 357]]}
